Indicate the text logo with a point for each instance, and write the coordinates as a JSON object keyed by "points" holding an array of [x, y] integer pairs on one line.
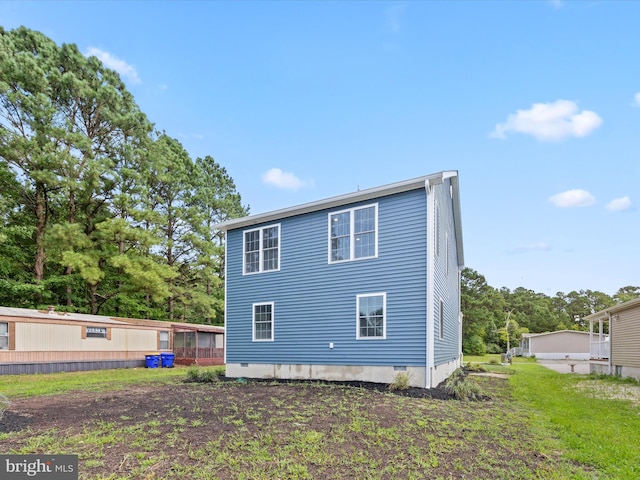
{"points": [[49, 467]]}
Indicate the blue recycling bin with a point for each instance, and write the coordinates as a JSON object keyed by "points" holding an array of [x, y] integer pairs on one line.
{"points": [[167, 360], [152, 361]]}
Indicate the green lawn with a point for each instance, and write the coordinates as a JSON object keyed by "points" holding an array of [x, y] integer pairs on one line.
{"points": [[57, 383], [593, 429]]}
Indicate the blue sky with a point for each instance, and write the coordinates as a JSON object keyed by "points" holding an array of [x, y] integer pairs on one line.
{"points": [[536, 104]]}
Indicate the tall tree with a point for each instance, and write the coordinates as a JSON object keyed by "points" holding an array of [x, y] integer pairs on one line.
{"points": [[170, 188], [29, 139], [215, 200]]}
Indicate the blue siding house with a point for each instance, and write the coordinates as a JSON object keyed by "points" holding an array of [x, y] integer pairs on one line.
{"points": [[355, 287]]}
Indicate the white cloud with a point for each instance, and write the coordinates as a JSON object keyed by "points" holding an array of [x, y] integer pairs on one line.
{"points": [[550, 121], [123, 68], [532, 247], [556, 3], [280, 179], [636, 100], [619, 204], [573, 198]]}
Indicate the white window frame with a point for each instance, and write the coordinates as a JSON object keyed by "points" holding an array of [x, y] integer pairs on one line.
{"points": [[441, 319], [253, 321], [261, 249], [5, 335], [384, 315], [352, 235], [164, 342]]}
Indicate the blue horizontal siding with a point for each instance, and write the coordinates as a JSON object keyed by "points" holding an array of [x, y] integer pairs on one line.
{"points": [[315, 302], [446, 287]]}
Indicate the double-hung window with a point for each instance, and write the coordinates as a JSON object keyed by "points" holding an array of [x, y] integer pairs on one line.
{"points": [[4, 336], [353, 234], [261, 249], [263, 322], [371, 316], [164, 340]]}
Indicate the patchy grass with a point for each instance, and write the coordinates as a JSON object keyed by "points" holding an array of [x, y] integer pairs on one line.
{"points": [[267, 430], [596, 426], [57, 383]]}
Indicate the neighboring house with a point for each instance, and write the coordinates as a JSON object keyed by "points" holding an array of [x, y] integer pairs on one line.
{"points": [[37, 341], [198, 344], [560, 345], [357, 287], [615, 340]]}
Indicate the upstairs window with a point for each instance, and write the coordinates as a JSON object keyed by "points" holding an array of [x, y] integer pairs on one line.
{"points": [[261, 249], [353, 234]]}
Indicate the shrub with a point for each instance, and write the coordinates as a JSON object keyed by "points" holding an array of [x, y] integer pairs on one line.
{"points": [[474, 345], [494, 348], [400, 381], [208, 376], [461, 387], [475, 367], [193, 373]]}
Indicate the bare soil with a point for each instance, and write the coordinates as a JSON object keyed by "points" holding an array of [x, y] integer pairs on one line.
{"points": [[184, 426]]}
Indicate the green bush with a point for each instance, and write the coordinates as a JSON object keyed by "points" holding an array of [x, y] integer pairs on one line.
{"points": [[475, 367], [461, 387], [400, 381], [193, 373], [474, 345], [494, 348], [208, 376]]}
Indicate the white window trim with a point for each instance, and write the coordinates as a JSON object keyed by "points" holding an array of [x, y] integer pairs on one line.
{"points": [[261, 250], [253, 321], [352, 243], [384, 315]]}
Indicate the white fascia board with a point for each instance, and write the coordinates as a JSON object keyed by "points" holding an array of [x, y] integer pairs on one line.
{"points": [[613, 309], [360, 196]]}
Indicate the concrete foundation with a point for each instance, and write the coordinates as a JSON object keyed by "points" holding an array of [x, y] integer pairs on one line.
{"points": [[340, 373], [440, 373]]}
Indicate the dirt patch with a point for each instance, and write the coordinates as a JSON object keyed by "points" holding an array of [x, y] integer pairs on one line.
{"points": [[273, 429], [611, 391], [489, 374]]}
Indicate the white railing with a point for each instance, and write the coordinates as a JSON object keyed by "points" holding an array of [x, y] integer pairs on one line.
{"points": [[600, 350]]}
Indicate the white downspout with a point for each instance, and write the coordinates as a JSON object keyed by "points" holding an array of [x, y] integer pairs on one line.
{"points": [[431, 211]]}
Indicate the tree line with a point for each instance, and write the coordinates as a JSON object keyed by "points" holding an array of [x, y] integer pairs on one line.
{"points": [[99, 212], [493, 318]]}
